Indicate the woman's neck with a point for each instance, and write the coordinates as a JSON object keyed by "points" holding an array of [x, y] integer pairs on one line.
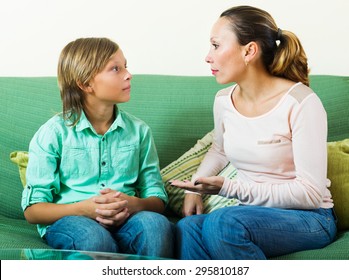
{"points": [[255, 97]]}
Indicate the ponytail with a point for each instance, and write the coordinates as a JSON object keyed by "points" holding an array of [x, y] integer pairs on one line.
{"points": [[286, 59], [290, 60]]}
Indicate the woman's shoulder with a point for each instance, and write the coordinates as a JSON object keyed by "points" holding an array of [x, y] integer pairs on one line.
{"points": [[300, 92], [225, 91]]}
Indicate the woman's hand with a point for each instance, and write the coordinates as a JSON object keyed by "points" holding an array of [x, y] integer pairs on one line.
{"points": [[192, 205], [203, 185]]}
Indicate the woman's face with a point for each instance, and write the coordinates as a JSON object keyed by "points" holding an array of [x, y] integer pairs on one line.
{"points": [[226, 55]]}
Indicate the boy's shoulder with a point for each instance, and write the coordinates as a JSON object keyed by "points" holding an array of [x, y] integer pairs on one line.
{"points": [[129, 118], [55, 121]]}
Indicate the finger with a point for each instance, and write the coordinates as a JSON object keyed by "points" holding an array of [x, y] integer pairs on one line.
{"points": [[178, 183], [105, 191], [104, 199], [117, 194], [122, 216], [100, 199], [116, 220], [104, 221], [112, 209], [199, 210], [196, 189], [107, 213]]}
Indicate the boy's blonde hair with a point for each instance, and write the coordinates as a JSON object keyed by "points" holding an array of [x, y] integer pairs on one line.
{"points": [[78, 63]]}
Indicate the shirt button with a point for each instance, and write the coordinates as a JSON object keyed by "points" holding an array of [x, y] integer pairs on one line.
{"points": [[103, 163], [102, 185], [103, 139]]}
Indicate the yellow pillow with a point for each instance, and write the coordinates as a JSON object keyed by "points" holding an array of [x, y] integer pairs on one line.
{"points": [[21, 159], [338, 173], [184, 167]]}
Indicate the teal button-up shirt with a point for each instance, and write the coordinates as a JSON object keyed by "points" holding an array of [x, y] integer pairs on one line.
{"points": [[68, 164]]}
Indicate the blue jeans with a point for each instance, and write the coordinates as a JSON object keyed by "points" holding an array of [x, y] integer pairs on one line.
{"points": [[253, 232], [144, 233]]}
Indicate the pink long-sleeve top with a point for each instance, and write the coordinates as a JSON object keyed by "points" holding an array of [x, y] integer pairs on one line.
{"points": [[281, 156]]}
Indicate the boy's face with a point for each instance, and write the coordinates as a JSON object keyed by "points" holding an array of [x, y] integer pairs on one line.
{"points": [[113, 83]]}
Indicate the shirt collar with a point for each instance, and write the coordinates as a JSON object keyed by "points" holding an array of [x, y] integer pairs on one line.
{"points": [[84, 123]]}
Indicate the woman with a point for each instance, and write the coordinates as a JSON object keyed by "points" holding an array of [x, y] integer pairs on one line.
{"points": [[273, 128], [93, 179]]}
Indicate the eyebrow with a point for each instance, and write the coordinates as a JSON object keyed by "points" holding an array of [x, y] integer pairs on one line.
{"points": [[113, 60]]}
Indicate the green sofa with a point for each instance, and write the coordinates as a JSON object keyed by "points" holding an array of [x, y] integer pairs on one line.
{"points": [[179, 111]]}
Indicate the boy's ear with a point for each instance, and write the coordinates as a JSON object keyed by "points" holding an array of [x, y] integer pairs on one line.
{"points": [[84, 87]]}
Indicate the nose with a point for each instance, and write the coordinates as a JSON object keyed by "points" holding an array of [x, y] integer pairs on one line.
{"points": [[208, 58], [128, 76]]}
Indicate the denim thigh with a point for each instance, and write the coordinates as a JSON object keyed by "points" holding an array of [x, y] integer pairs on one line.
{"points": [[272, 230]]}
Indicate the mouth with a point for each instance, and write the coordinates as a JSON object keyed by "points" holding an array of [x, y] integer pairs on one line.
{"points": [[128, 88], [214, 71]]}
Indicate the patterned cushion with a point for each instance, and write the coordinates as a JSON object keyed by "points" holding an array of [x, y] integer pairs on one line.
{"points": [[184, 167]]}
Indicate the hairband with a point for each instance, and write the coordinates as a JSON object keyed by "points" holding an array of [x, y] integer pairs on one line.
{"points": [[278, 36]]}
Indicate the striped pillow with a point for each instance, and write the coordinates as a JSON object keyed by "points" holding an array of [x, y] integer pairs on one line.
{"points": [[184, 167]]}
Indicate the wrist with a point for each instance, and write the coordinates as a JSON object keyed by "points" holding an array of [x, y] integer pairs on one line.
{"points": [[190, 192]]}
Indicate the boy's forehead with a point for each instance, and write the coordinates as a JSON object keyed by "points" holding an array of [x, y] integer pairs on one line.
{"points": [[118, 56]]}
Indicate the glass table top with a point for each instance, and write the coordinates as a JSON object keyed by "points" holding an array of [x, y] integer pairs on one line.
{"points": [[52, 254]]}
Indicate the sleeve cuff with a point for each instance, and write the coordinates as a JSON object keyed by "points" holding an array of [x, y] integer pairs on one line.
{"points": [[226, 189]]}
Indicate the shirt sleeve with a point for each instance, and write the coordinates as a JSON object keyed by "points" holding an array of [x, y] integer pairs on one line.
{"points": [[42, 175], [215, 159], [150, 181], [308, 123]]}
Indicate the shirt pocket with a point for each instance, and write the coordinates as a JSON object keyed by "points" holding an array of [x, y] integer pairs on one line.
{"points": [[125, 160], [77, 161], [274, 152], [268, 142]]}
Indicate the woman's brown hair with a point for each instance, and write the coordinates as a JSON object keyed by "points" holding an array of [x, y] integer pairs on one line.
{"points": [[282, 52]]}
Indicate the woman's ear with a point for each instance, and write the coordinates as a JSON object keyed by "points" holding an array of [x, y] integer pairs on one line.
{"points": [[251, 50]]}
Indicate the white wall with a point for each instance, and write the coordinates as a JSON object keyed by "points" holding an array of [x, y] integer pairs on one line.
{"points": [[159, 36]]}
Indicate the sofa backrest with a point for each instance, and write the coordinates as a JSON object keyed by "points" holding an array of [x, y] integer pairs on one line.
{"points": [[177, 108]]}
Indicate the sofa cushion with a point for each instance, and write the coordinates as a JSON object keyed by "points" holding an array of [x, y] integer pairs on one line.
{"points": [[18, 233], [338, 173], [184, 167], [21, 159]]}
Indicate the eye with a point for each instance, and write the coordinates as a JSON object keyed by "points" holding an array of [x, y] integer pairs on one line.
{"points": [[215, 46], [116, 68]]}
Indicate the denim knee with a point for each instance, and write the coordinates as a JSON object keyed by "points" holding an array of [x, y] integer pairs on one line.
{"points": [[190, 222], [80, 233], [147, 233]]}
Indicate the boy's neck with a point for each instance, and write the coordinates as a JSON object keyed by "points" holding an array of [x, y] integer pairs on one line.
{"points": [[101, 119]]}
